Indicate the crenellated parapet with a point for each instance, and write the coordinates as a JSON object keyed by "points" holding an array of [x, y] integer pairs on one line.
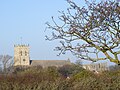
{"points": [[23, 45]]}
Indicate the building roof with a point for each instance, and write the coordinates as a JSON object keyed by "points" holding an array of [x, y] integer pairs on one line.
{"points": [[46, 63]]}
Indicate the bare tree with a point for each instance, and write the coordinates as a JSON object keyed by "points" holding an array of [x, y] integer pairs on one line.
{"points": [[91, 32], [6, 62]]}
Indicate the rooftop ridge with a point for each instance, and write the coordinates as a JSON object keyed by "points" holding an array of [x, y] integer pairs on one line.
{"points": [[46, 63], [49, 60]]}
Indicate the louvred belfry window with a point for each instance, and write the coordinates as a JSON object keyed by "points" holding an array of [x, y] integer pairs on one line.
{"points": [[21, 53], [25, 53]]}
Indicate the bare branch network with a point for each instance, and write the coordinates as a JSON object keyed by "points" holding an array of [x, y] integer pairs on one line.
{"points": [[90, 33]]}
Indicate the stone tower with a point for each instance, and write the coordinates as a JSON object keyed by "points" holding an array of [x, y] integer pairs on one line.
{"points": [[21, 55]]}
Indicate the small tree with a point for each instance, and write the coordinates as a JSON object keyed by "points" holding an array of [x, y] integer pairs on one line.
{"points": [[91, 32], [6, 62]]}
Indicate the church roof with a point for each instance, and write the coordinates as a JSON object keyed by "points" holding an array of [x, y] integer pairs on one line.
{"points": [[46, 63]]}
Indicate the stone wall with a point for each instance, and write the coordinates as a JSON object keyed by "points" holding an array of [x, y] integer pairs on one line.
{"points": [[96, 66]]}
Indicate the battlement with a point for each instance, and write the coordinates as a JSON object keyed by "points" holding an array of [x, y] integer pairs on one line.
{"points": [[24, 45]]}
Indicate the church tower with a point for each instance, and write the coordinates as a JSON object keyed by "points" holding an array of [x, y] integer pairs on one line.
{"points": [[21, 55]]}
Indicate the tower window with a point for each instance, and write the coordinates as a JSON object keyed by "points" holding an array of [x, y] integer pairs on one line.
{"points": [[25, 53], [21, 53], [23, 59]]}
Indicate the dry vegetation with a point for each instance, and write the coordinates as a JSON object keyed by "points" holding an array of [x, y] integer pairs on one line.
{"points": [[52, 78]]}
